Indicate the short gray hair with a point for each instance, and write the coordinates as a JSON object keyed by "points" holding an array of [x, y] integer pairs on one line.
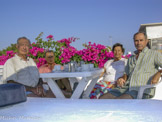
{"points": [[139, 33], [23, 38]]}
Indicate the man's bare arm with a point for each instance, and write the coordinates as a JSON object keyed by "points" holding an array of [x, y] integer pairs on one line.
{"points": [[27, 87], [38, 90], [156, 77], [101, 75]]}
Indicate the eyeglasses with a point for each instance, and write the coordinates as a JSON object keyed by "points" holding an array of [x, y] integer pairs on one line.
{"points": [[50, 56], [24, 45]]}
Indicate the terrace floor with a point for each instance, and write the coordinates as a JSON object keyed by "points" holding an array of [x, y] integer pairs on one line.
{"points": [[82, 110]]}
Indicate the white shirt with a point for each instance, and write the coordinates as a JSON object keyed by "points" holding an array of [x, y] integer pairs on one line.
{"points": [[114, 70], [23, 72]]}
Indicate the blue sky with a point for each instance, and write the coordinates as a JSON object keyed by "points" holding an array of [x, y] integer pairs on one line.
{"points": [[89, 20]]}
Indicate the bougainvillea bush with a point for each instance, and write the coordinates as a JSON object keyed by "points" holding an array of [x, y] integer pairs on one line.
{"points": [[92, 53]]}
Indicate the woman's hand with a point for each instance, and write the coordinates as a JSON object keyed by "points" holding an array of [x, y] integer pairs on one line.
{"points": [[120, 82]]}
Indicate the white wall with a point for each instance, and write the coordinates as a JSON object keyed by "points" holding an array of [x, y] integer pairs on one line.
{"points": [[154, 31], [1, 72]]}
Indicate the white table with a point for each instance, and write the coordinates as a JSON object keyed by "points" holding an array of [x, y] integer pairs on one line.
{"points": [[82, 110], [83, 78]]}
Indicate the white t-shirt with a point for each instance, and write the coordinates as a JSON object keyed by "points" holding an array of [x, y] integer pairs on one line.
{"points": [[114, 70], [23, 72]]}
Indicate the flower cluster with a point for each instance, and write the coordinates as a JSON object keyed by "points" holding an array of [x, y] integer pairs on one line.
{"points": [[36, 51], [67, 54], [93, 53], [68, 41], [50, 37], [37, 54], [97, 54], [4, 58], [40, 61]]}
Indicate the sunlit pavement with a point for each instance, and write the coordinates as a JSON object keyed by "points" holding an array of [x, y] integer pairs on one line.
{"points": [[82, 110]]}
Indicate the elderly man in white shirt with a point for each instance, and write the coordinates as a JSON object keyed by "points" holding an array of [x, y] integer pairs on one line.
{"points": [[22, 70]]}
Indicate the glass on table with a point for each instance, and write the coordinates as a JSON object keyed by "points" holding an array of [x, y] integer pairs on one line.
{"points": [[85, 67], [66, 67], [57, 68], [91, 66]]}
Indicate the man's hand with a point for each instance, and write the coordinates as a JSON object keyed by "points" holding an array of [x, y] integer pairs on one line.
{"points": [[120, 82], [39, 91]]}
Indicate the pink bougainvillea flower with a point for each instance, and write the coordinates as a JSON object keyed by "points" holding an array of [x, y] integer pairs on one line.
{"points": [[50, 37], [41, 61]]}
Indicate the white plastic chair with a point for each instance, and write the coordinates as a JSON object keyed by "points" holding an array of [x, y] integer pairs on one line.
{"points": [[158, 90]]}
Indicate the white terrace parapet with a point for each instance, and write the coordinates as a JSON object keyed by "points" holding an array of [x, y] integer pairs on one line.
{"points": [[1, 73]]}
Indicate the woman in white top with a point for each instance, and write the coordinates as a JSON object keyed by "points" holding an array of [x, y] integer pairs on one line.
{"points": [[113, 69]]}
